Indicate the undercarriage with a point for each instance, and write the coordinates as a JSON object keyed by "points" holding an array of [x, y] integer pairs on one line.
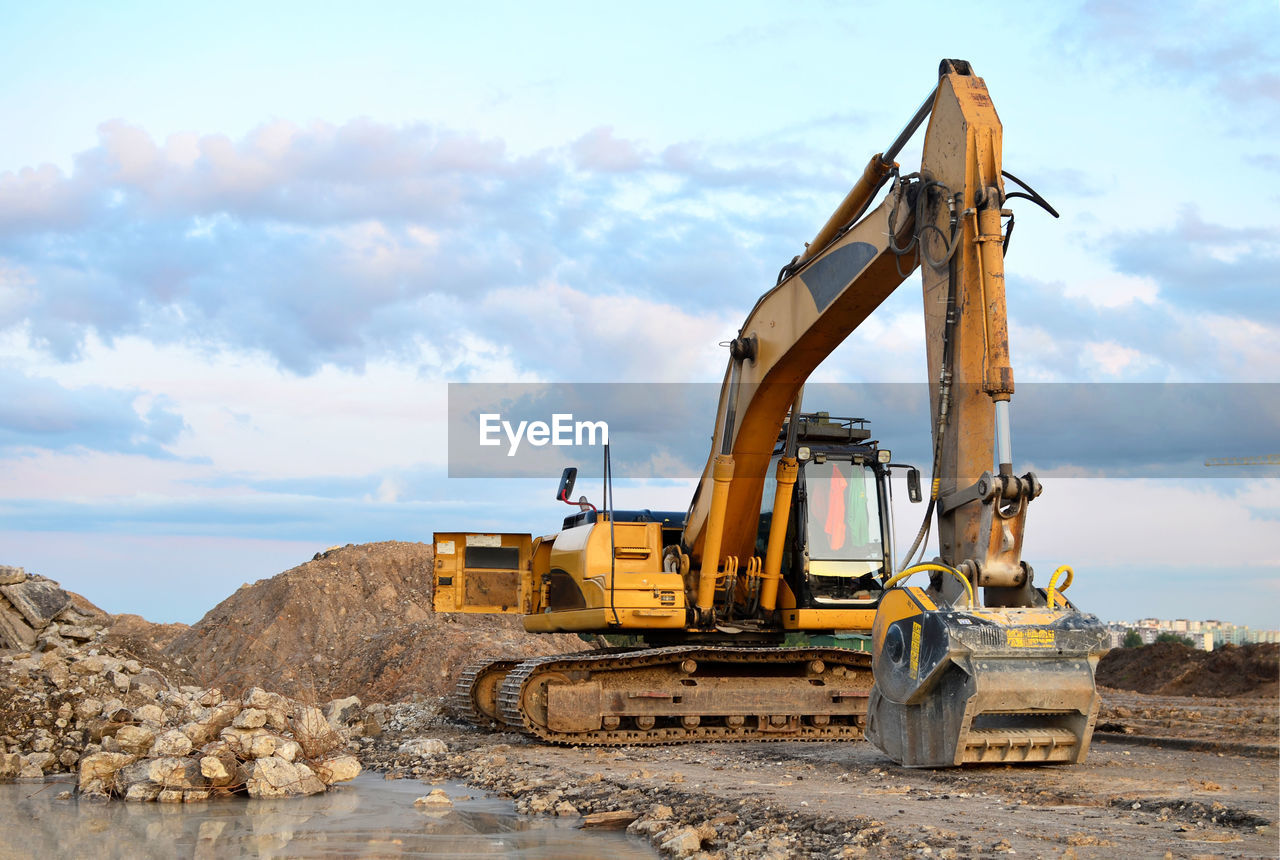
{"points": [[674, 695]]}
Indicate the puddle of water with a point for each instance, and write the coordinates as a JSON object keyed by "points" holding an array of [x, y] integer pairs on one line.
{"points": [[368, 817]]}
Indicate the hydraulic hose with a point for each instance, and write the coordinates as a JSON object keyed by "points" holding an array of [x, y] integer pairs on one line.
{"points": [[916, 568]]}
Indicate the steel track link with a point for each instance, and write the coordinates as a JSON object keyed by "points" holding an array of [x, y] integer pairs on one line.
{"points": [[511, 694], [463, 701]]}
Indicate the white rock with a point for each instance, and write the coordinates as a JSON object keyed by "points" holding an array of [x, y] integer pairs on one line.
{"points": [[423, 747], [338, 769], [142, 791], [250, 718], [88, 708], [135, 739], [313, 732], [174, 772], [264, 745], [342, 711], [289, 750], [219, 769], [683, 842], [10, 765], [240, 740], [437, 797], [150, 714], [170, 743], [91, 665], [97, 772], [275, 777]]}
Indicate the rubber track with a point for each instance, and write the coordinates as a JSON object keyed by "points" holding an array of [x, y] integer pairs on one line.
{"points": [[513, 684]]}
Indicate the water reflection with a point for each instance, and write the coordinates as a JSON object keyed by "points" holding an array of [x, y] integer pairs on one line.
{"points": [[369, 817]]}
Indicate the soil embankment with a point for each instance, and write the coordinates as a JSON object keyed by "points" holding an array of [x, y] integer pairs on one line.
{"points": [[354, 621], [1173, 669]]}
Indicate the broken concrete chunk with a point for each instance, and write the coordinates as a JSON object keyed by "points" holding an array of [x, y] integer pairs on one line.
{"points": [[314, 733], [11, 575], [15, 633], [135, 740], [38, 600], [341, 712], [423, 747], [170, 743], [98, 771], [338, 769], [250, 718], [275, 777], [10, 765], [437, 797]]}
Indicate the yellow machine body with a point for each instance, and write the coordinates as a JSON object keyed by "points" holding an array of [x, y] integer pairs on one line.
{"points": [[955, 681]]}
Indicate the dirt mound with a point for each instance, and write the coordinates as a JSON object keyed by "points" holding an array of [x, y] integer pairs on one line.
{"points": [[145, 641], [353, 621], [1171, 669]]}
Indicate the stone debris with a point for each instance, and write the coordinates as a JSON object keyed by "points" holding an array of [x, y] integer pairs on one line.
{"points": [[615, 820], [437, 797], [424, 747], [130, 733], [35, 613]]}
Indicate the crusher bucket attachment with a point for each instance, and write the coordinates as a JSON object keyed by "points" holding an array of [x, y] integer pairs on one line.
{"points": [[983, 685]]}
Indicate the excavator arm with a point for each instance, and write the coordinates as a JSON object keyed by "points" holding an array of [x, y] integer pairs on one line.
{"points": [[1012, 679], [849, 269]]}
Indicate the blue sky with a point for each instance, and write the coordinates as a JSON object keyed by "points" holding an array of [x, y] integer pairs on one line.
{"points": [[244, 248]]}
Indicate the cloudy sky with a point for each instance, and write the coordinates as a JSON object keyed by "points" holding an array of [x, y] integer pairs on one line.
{"points": [[245, 248]]}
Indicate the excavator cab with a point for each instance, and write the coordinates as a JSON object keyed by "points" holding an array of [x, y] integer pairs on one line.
{"points": [[839, 544]]}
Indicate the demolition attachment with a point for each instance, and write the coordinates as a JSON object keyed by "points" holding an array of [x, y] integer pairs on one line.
{"points": [[979, 685]]}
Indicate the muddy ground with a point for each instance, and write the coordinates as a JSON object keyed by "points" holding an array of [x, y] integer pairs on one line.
{"points": [[1182, 778]]}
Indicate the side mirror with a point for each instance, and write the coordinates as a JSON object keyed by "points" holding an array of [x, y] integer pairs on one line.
{"points": [[571, 474], [913, 485]]}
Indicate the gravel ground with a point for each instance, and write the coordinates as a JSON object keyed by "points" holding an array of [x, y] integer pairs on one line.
{"points": [[1133, 795]]}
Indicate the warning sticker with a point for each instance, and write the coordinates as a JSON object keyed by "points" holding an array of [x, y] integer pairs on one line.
{"points": [[484, 540], [1030, 637], [444, 547], [915, 649]]}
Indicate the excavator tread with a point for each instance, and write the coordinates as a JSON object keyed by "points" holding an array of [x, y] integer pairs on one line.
{"points": [[464, 703], [848, 724]]}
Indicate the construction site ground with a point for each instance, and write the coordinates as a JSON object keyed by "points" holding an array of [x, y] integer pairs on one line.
{"points": [[1170, 777]]}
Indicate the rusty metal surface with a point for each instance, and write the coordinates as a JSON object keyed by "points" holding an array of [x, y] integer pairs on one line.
{"points": [[680, 694], [491, 587]]}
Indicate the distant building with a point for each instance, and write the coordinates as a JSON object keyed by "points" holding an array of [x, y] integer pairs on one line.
{"points": [[1205, 635]]}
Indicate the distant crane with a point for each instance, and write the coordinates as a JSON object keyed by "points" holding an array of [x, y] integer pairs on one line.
{"points": [[1260, 460]]}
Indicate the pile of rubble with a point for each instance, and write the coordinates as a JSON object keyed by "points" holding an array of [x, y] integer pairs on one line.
{"points": [[36, 613], [130, 733], [356, 620]]}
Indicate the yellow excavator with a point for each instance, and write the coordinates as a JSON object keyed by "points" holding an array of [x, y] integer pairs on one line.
{"points": [[789, 530]]}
